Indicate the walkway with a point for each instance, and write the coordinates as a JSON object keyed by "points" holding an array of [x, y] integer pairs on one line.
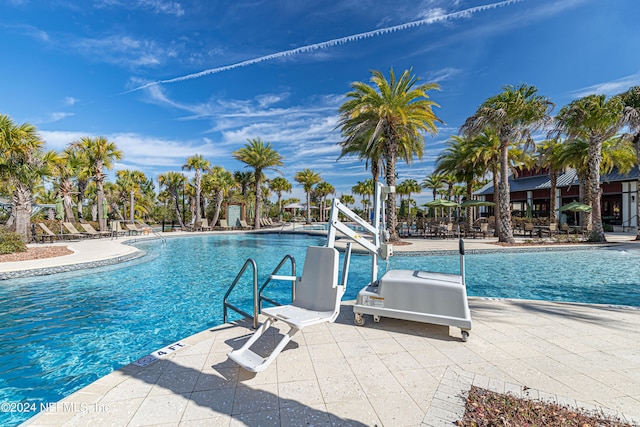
{"points": [[392, 373]]}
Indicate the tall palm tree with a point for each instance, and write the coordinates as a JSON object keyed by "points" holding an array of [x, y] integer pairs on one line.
{"points": [[200, 165], [411, 187], [595, 119], [81, 168], [549, 157], [279, 185], [260, 156], [514, 115], [22, 167], [173, 182], [219, 181], [100, 154], [457, 159], [131, 183], [64, 172], [308, 178], [433, 182], [347, 199], [323, 189], [393, 113]]}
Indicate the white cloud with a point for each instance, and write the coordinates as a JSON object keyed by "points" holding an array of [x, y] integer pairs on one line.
{"points": [[70, 101], [610, 88], [155, 6]]}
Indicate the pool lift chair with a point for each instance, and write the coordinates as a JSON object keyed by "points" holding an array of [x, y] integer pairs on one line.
{"points": [[402, 294]]}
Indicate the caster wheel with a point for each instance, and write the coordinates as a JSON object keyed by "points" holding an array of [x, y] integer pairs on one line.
{"points": [[465, 336], [376, 318], [359, 319]]}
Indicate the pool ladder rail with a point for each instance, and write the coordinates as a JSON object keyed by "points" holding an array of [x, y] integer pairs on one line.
{"points": [[258, 296]]}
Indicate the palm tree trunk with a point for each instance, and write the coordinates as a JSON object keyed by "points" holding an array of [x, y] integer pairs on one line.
{"points": [[256, 217], [102, 222], [505, 234], [553, 175], [392, 216], [219, 200], [496, 200], [309, 207], [21, 211], [131, 206], [595, 159], [469, 209]]}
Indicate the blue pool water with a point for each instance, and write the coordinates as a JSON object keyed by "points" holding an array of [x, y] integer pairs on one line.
{"points": [[62, 332]]}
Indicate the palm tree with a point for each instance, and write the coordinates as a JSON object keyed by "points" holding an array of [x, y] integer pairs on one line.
{"points": [[100, 154], [456, 159], [549, 157], [595, 119], [392, 114], [347, 199], [173, 182], [308, 178], [323, 189], [219, 181], [132, 183], [261, 156], [433, 182], [81, 168], [63, 170], [411, 187], [514, 115], [279, 185], [631, 100], [22, 167], [199, 164]]}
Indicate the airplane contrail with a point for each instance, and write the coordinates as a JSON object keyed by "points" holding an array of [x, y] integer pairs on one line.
{"points": [[334, 42]]}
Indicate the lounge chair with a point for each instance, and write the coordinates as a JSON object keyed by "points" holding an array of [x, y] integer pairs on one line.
{"points": [[48, 234], [204, 225], [92, 231], [317, 301], [133, 229], [74, 231], [244, 225], [224, 225], [116, 229]]}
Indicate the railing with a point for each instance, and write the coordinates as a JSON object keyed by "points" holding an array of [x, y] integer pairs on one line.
{"points": [[273, 275], [257, 293], [226, 304], [624, 227]]}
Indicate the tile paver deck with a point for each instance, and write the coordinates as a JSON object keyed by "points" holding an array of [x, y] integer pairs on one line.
{"points": [[392, 373]]}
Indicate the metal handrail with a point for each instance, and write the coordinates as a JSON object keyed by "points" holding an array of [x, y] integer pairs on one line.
{"points": [[273, 273], [226, 304]]}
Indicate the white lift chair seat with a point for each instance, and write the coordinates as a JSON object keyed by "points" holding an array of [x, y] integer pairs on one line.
{"points": [[317, 300]]}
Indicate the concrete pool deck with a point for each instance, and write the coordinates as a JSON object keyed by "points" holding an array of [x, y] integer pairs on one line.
{"points": [[392, 373]]}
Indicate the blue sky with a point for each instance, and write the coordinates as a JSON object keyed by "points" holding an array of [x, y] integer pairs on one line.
{"points": [[169, 79]]}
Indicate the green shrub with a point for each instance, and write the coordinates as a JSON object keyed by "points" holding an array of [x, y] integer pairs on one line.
{"points": [[11, 242]]}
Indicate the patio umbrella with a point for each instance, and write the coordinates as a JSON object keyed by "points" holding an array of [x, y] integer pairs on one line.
{"points": [[441, 203], [575, 207]]}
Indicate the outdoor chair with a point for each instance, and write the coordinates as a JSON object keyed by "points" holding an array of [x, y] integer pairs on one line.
{"points": [[317, 301], [244, 225], [528, 229], [74, 231], [48, 234], [132, 229], [204, 225], [116, 229], [564, 228], [93, 232]]}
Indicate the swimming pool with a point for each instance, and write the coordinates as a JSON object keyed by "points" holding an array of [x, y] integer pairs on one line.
{"points": [[62, 332]]}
